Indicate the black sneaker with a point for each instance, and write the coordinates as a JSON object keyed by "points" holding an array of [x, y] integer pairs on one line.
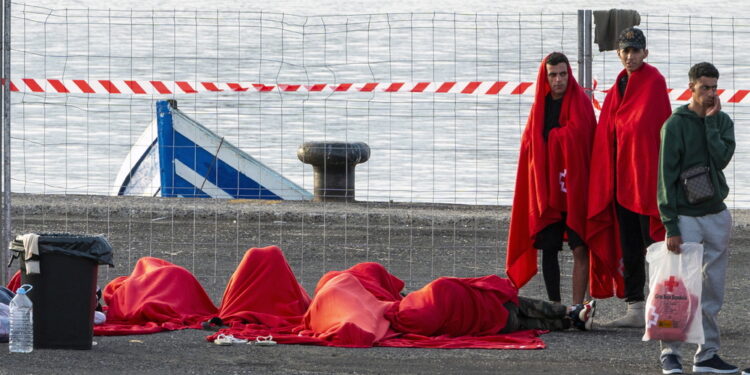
{"points": [[670, 364], [715, 365], [746, 371], [583, 315]]}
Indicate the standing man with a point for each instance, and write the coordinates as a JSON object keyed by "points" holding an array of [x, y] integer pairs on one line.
{"points": [[549, 205], [698, 137], [623, 215]]}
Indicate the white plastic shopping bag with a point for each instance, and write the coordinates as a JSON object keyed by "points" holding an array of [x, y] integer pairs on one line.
{"points": [[673, 307]]}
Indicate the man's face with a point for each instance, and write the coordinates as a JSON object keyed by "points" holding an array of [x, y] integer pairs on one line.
{"points": [[632, 58], [557, 77], [704, 91]]}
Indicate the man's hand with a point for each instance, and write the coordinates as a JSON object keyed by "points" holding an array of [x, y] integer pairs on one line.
{"points": [[673, 244], [715, 108]]}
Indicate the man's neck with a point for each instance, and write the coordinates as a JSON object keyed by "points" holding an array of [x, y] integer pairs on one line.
{"points": [[699, 110], [629, 72]]}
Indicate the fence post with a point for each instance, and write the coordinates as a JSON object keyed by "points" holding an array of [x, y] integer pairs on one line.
{"points": [[5, 110], [585, 57]]}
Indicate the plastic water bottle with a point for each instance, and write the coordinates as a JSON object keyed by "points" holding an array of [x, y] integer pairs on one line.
{"points": [[21, 322]]}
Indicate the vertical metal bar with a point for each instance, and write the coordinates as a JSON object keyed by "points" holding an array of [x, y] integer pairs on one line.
{"points": [[5, 95], [581, 63], [587, 55]]}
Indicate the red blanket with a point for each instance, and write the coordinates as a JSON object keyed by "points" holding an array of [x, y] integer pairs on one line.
{"points": [[552, 175], [15, 282], [263, 290], [671, 311], [455, 312], [454, 306], [157, 296], [359, 307], [344, 313], [362, 307], [626, 140], [373, 277]]}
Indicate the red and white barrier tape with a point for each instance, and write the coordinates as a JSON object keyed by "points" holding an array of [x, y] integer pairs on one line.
{"points": [[139, 87]]}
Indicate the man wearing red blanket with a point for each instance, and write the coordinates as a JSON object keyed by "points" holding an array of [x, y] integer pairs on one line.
{"points": [[622, 210], [552, 181]]}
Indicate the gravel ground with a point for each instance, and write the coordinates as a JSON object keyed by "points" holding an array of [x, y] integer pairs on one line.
{"points": [[417, 242]]}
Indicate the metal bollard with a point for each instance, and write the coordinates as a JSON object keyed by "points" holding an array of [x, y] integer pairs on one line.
{"points": [[333, 164]]}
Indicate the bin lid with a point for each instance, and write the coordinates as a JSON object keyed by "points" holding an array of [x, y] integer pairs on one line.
{"points": [[86, 246]]}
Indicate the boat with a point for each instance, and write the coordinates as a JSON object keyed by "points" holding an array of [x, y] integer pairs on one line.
{"points": [[176, 156]]}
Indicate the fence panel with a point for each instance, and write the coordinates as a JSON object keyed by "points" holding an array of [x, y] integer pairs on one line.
{"points": [[440, 98]]}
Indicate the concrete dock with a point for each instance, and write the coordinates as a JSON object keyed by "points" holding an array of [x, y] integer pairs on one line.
{"points": [[416, 242]]}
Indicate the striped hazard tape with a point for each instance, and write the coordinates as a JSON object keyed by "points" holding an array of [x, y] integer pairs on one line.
{"points": [[140, 87]]}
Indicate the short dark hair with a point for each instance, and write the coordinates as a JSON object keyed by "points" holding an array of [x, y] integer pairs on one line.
{"points": [[555, 58], [703, 69]]}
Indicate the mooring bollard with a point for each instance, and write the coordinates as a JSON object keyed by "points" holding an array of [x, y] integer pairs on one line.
{"points": [[333, 164]]}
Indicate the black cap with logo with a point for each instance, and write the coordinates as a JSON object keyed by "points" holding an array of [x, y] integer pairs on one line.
{"points": [[631, 37]]}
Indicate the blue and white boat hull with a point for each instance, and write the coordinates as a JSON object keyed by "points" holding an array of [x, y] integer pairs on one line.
{"points": [[194, 162]]}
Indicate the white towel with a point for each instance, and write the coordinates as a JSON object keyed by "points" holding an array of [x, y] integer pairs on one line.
{"points": [[31, 247]]}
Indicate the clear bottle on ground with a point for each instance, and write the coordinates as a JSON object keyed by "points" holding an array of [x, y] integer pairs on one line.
{"points": [[21, 338]]}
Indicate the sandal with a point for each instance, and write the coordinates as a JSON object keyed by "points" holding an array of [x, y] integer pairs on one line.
{"points": [[264, 341], [226, 340]]}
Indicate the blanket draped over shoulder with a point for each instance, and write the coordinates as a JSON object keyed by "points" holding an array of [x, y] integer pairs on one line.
{"points": [[624, 167], [552, 175]]}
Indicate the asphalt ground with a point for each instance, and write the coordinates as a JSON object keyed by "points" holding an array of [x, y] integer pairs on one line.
{"points": [[417, 242]]}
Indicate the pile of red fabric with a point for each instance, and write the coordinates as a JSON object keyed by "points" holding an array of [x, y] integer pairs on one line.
{"points": [[358, 307], [671, 311], [157, 296]]}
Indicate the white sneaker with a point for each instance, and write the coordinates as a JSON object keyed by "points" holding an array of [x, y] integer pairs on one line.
{"points": [[583, 315]]}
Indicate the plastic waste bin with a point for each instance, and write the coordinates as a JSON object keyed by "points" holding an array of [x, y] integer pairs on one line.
{"points": [[64, 291]]}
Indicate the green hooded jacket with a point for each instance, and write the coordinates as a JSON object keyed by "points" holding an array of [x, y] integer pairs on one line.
{"points": [[688, 141]]}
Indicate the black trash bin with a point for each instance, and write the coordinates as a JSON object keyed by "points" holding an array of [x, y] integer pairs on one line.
{"points": [[64, 291]]}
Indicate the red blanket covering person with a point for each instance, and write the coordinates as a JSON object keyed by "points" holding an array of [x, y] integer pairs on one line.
{"points": [[546, 170], [344, 313], [351, 309], [373, 277], [157, 296], [453, 312], [456, 307], [635, 122], [447, 313], [359, 307], [263, 290]]}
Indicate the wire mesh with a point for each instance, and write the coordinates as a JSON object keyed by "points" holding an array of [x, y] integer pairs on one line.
{"points": [[442, 166]]}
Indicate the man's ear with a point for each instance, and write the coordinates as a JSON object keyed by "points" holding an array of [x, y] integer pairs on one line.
{"points": [[645, 53], [691, 86]]}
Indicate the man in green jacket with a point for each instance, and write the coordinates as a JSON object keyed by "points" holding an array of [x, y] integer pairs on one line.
{"points": [[700, 135]]}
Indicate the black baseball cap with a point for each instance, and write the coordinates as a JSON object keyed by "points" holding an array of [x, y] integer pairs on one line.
{"points": [[631, 37]]}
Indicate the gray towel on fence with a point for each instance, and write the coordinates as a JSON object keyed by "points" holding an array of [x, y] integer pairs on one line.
{"points": [[609, 24]]}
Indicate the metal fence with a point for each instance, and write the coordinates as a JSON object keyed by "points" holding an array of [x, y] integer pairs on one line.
{"points": [[440, 98]]}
